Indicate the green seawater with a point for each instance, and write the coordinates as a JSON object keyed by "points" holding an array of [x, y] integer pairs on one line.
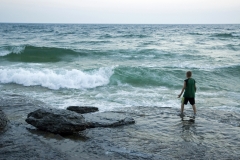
{"points": [[117, 66]]}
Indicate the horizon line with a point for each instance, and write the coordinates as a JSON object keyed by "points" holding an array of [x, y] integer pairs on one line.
{"points": [[122, 23]]}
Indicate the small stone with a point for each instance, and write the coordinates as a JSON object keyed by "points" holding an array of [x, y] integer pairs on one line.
{"points": [[82, 109]]}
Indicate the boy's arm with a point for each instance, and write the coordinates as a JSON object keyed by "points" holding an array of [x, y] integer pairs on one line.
{"points": [[184, 86], [195, 88]]}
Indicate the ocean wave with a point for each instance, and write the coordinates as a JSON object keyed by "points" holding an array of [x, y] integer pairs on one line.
{"points": [[195, 34], [236, 34], [4, 52], [134, 36], [226, 35], [36, 54], [119, 75], [106, 36], [51, 54], [169, 77], [11, 49], [56, 79], [144, 76], [233, 47], [93, 42], [202, 66]]}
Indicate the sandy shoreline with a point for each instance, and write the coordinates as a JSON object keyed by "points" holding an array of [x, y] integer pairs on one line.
{"points": [[157, 134]]}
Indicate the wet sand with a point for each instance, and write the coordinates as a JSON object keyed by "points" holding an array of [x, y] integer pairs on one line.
{"points": [[158, 134]]}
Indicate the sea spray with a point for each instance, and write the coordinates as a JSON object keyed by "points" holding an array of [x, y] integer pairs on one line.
{"points": [[56, 79], [4, 51]]}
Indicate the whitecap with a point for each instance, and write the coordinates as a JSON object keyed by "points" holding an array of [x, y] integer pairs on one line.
{"points": [[56, 79], [4, 52], [13, 49]]}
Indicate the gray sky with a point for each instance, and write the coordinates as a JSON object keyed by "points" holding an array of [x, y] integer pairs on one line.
{"points": [[121, 11]]}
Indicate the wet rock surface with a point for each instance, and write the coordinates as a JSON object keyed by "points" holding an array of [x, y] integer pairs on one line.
{"points": [[107, 119], [17, 142], [57, 121], [82, 109], [157, 134], [3, 120]]}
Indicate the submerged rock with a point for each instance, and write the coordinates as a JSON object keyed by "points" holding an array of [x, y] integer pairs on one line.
{"points": [[107, 119], [82, 110], [57, 121], [3, 120]]}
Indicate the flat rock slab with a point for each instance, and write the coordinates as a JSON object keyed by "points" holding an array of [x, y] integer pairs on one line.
{"points": [[3, 120], [107, 119], [57, 121], [82, 109]]}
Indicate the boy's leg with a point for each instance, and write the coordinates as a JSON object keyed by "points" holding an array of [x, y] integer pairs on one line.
{"points": [[182, 105], [192, 102], [194, 109]]}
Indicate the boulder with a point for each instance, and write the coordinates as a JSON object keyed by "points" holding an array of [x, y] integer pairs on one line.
{"points": [[57, 121], [82, 110], [3, 120], [107, 119]]}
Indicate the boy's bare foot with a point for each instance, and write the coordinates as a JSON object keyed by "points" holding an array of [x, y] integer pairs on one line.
{"points": [[181, 114]]}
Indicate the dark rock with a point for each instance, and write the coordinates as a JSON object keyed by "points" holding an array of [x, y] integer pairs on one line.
{"points": [[107, 119], [82, 110], [57, 121], [3, 120]]}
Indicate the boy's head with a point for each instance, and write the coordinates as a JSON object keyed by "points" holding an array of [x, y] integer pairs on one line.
{"points": [[189, 74]]}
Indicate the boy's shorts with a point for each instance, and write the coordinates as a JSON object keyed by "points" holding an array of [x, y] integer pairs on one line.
{"points": [[191, 100]]}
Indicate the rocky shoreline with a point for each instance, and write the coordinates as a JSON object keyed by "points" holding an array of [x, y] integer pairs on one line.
{"points": [[19, 140], [64, 122], [3, 121], [157, 134]]}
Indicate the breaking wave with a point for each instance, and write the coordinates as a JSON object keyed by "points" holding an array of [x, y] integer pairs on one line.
{"points": [[120, 75], [56, 79]]}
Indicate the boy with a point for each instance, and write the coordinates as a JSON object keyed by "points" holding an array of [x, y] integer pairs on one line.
{"points": [[189, 88]]}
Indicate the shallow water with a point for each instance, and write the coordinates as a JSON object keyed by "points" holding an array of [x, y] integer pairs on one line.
{"points": [[162, 135], [158, 134]]}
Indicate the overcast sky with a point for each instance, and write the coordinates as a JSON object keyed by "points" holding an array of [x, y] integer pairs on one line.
{"points": [[121, 11]]}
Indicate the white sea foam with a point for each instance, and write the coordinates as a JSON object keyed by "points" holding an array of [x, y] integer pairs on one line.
{"points": [[56, 79], [17, 49], [226, 108], [236, 35], [204, 66], [4, 52], [13, 49]]}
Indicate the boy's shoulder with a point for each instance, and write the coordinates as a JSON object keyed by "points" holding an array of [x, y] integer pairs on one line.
{"points": [[186, 80], [193, 79]]}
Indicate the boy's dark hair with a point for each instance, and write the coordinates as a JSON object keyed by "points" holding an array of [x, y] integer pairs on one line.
{"points": [[189, 74]]}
